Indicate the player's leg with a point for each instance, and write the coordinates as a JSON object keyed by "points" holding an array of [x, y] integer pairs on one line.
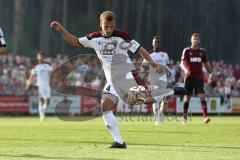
{"points": [[201, 95], [108, 103], [159, 94], [163, 103], [188, 84], [187, 99], [159, 106], [40, 108], [45, 94], [204, 107], [44, 107]]}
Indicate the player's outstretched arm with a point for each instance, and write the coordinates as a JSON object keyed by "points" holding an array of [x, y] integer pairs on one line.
{"points": [[145, 55], [29, 82], [68, 37]]}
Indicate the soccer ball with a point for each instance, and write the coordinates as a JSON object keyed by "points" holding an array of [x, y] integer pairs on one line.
{"points": [[137, 94]]}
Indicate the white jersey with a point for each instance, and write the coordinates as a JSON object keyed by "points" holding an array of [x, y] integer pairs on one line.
{"points": [[42, 71], [112, 52], [159, 58], [2, 40]]}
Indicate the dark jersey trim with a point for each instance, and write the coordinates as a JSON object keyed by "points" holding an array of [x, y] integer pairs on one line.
{"points": [[116, 33]]}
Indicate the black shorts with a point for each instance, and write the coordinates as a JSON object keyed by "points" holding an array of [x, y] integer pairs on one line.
{"points": [[194, 85]]}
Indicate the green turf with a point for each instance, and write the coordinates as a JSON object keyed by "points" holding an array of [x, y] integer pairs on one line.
{"points": [[27, 138]]}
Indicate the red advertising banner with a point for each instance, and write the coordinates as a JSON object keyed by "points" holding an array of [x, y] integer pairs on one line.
{"points": [[172, 103], [13, 104], [88, 104]]}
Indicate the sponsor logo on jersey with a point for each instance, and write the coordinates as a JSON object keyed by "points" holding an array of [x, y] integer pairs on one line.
{"points": [[107, 52], [195, 59]]}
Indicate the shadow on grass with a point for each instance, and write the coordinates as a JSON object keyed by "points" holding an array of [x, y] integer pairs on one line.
{"points": [[187, 146], [137, 144]]}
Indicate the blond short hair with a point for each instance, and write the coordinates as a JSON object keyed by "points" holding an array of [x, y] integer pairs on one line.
{"points": [[108, 16]]}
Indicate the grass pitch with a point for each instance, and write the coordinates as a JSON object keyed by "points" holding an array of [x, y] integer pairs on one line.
{"points": [[27, 138]]}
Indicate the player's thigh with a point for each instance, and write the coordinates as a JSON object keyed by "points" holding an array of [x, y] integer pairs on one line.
{"points": [[189, 85], [199, 87]]}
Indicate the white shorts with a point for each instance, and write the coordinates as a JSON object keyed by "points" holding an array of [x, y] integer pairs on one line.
{"points": [[120, 87], [44, 92]]}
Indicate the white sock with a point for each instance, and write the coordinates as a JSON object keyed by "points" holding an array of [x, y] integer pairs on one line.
{"points": [[112, 125], [44, 109], [156, 110], [159, 94], [40, 109]]}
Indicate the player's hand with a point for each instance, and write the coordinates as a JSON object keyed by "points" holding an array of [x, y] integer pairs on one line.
{"points": [[210, 78], [56, 25], [159, 68], [26, 89], [187, 73], [168, 71]]}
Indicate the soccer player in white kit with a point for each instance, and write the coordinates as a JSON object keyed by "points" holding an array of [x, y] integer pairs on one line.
{"points": [[2, 42], [111, 46], [42, 71], [157, 80]]}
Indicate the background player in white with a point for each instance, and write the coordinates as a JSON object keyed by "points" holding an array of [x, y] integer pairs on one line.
{"points": [[157, 80], [2, 42], [111, 46], [42, 71]]}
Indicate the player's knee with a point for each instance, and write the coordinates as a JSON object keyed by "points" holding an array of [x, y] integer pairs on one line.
{"points": [[187, 99], [203, 101], [108, 102]]}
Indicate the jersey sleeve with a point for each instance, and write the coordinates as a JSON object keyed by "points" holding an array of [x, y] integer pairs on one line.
{"points": [[2, 40], [33, 72], [50, 68], [86, 42], [134, 46], [184, 55]]}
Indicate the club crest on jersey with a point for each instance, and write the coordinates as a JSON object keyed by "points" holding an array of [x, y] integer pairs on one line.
{"points": [[114, 43], [195, 59]]}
